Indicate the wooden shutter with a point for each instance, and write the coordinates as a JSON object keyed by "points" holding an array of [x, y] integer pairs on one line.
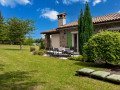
{"points": [[69, 39]]}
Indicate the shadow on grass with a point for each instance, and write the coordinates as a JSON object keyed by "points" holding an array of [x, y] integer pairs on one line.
{"points": [[94, 65], [1, 67], [17, 80]]}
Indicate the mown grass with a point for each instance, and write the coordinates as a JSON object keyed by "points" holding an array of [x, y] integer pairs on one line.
{"points": [[20, 70]]}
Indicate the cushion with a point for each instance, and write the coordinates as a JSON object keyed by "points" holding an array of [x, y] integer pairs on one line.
{"points": [[85, 71], [100, 74], [114, 77]]}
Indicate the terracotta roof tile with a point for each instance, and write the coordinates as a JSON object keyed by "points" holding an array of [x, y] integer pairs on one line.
{"points": [[99, 19]]}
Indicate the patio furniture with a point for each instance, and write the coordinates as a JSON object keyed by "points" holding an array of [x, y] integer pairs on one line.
{"points": [[56, 52], [50, 51], [71, 51]]}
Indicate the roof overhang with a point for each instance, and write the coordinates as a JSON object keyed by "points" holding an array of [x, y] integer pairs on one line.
{"points": [[111, 29]]}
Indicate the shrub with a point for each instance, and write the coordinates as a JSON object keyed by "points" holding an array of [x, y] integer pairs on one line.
{"points": [[42, 52], [35, 53], [32, 49], [104, 46], [79, 58], [72, 58]]}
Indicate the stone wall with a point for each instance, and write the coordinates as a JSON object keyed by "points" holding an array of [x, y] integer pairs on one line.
{"points": [[63, 36], [97, 29], [103, 27]]}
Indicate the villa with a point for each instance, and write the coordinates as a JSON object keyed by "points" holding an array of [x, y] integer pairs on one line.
{"points": [[67, 34]]}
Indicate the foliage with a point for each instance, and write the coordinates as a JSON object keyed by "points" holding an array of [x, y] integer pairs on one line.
{"points": [[32, 49], [18, 28], [79, 58], [3, 30], [28, 41], [39, 52], [104, 46], [88, 24], [42, 44], [42, 52], [35, 52], [81, 32], [85, 27]]}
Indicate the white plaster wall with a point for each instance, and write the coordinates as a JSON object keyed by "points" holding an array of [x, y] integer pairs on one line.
{"points": [[55, 40]]}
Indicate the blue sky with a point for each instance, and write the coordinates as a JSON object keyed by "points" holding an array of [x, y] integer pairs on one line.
{"points": [[44, 11]]}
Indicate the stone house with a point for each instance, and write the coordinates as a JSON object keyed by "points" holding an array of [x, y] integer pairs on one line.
{"points": [[67, 34]]}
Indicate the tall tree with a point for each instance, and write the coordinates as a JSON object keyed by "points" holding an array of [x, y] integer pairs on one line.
{"points": [[3, 29], [85, 27], [88, 24], [18, 28], [81, 32]]}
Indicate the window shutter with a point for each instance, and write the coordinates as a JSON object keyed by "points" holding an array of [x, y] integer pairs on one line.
{"points": [[69, 39]]}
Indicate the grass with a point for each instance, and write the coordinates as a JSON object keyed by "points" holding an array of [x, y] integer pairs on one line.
{"points": [[20, 70]]}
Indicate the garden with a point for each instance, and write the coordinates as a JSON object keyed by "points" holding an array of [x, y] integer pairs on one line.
{"points": [[19, 69]]}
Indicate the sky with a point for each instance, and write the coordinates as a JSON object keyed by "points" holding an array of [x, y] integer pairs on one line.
{"points": [[44, 11]]}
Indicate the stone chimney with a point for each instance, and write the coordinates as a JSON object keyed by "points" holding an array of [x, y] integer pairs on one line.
{"points": [[61, 19]]}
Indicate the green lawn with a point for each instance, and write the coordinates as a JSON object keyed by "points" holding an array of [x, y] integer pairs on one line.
{"points": [[20, 70]]}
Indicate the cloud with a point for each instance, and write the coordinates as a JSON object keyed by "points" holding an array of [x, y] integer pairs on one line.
{"points": [[13, 3], [118, 11], [57, 2], [50, 14], [98, 1], [74, 1]]}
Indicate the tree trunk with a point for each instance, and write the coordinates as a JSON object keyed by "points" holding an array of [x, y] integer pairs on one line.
{"points": [[20, 46]]}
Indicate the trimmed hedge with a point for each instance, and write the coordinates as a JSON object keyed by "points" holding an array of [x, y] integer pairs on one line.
{"points": [[104, 46]]}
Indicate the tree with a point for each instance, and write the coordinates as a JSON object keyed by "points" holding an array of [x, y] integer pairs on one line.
{"points": [[28, 41], [85, 27], [3, 29], [81, 32], [88, 24], [18, 28], [42, 43]]}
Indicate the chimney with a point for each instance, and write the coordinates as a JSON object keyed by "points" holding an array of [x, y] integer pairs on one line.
{"points": [[61, 19]]}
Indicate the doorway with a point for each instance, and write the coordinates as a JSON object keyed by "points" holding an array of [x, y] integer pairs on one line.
{"points": [[75, 40]]}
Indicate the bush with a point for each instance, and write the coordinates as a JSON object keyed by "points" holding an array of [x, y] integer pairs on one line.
{"points": [[42, 52], [79, 58], [104, 47], [35, 53], [32, 49]]}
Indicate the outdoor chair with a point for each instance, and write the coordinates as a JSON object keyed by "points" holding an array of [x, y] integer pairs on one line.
{"points": [[57, 52], [71, 51], [50, 51]]}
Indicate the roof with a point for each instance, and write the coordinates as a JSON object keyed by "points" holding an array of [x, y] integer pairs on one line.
{"points": [[50, 31], [99, 19], [106, 18]]}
